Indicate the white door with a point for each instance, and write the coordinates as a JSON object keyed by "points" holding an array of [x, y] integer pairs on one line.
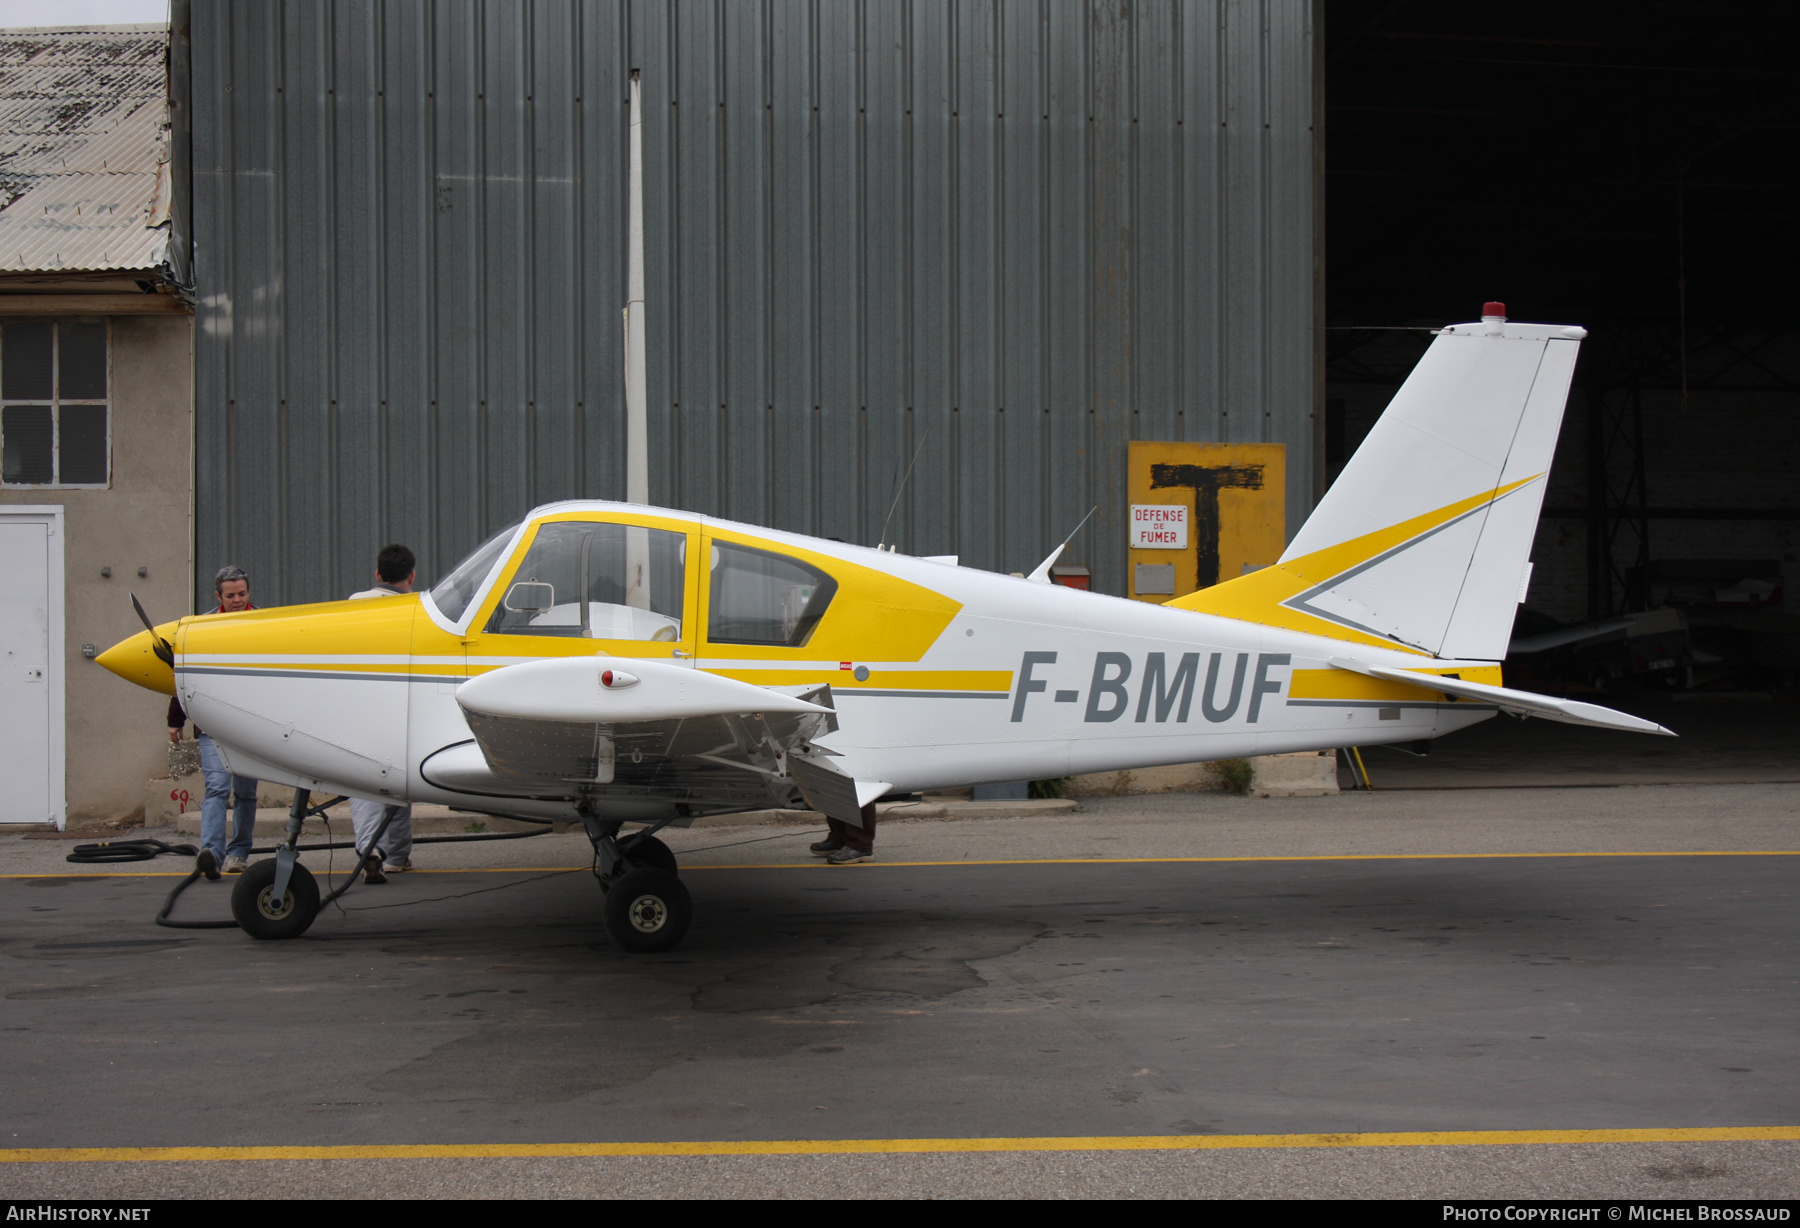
{"points": [[26, 708]]}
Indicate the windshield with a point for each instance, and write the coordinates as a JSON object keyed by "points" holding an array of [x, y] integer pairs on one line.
{"points": [[598, 580], [453, 593]]}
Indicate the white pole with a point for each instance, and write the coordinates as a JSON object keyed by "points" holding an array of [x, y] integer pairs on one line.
{"points": [[637, 447]]}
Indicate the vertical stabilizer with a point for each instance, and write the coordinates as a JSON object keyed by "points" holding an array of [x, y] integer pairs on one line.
{"points": [[1424, 539]]}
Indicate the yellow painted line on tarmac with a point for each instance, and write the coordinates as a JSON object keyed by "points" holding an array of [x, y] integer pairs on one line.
{"points": [[1019, 861], [1123, 861], [1147, 1142], [106, 874]]}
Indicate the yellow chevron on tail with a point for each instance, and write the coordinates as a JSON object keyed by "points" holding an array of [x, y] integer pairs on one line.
{"points": [[1264, 596]]}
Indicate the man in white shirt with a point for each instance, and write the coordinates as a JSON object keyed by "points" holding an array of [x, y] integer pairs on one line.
{"points": [[395, 571]]}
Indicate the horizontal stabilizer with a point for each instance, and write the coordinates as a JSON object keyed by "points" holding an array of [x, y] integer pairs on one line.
{"points": [[1519, 703], [1566, 635]]}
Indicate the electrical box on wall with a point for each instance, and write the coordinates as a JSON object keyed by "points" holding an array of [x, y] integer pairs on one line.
{"points": [[1202, 513]]}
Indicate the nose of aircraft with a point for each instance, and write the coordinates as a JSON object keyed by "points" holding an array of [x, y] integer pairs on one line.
{"points": [[135, 660]]}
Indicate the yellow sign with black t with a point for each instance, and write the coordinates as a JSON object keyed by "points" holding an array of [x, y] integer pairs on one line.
{"points": [[1203, 512]]}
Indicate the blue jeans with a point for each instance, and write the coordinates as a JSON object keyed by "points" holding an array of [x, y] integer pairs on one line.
{"points": [[221, 788]]}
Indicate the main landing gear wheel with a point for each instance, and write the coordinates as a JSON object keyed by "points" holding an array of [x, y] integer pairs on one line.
{"points": [[649, 852], [261, 915], [647, 911]]}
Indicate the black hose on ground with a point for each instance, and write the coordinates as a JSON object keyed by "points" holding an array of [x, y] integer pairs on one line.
{"points": [[371, 853], [114, 851], [162, 917], [109, 851]]}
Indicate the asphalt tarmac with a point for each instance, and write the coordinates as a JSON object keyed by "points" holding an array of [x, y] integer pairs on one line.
{"points": [[1424, 967]]}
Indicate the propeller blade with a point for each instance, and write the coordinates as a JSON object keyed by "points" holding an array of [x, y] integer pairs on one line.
{"points": [[165, 651]]}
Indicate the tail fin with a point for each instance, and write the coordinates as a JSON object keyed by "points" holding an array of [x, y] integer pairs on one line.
{"points": [[1424, 538]]}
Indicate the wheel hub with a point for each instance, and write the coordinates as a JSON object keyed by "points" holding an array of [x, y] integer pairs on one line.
{"points": [[648, 913], [267, 905]]}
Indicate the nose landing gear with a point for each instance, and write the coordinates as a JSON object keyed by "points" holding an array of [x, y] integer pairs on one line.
{"points": [[261, 913], [280, 898]]}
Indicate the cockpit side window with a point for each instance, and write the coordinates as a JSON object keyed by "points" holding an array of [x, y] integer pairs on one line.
{"points": [[453, 593], [593, 580], [760, 597]]}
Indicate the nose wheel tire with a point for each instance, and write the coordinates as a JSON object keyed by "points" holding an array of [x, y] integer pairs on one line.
{"points": [[260, 915], [647, 911]]}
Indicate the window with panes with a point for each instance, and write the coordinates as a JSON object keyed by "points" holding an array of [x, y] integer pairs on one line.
{"points": [[54, 417]]}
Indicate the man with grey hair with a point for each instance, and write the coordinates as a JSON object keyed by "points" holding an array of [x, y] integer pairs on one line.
{"points": [[395, 571]]}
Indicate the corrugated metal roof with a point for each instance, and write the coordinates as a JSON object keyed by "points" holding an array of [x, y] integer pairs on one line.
{"points": [[84, 149]]}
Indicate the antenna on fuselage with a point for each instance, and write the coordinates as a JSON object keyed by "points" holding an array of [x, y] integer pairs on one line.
{"points": [[1042, 574], [901, 487]]}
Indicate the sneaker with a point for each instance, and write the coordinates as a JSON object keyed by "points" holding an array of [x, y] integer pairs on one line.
{"points": [[846, 855], [372, 874], [208, 864], [397, 866], [830, 844], [236, 865]]}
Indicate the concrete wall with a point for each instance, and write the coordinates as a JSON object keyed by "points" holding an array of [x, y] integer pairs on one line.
{"points": [[116, 733]]}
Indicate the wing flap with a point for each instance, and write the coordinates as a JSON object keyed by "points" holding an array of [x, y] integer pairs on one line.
{"points": [[831, 792]]}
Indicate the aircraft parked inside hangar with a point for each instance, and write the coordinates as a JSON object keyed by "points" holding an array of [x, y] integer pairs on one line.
{"points": [[609, 664]]}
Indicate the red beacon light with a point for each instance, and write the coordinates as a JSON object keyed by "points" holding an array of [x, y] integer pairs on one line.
{"points": [[612, 679], [1493, 315]]}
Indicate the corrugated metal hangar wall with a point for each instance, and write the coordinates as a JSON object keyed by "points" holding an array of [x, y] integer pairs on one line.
{"points": [[1022, 233]]}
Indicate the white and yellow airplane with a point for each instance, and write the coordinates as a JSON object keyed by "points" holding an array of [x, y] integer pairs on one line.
{"points": [[617, 665]]}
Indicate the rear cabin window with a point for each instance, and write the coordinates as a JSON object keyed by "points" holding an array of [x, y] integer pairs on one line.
{"points": [[597, 581], [760, 597]]}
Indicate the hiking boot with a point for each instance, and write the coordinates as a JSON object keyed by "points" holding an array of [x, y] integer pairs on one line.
{"points": [[208, 864], [846, 855], [236, 865], [830, 844]]}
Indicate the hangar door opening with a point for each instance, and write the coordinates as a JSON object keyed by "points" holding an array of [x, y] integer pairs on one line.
{"points": [[31, 710]]}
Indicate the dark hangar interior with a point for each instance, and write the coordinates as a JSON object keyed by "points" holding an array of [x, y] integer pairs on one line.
{"points": [[1629, 167]]}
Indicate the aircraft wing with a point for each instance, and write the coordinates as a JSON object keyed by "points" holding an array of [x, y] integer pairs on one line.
{"points": [[1520, 703], [628, 727]]}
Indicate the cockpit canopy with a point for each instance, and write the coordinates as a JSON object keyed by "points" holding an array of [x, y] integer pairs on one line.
{"points": [[597, 577]]}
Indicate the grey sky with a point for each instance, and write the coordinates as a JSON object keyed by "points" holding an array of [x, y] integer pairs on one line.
{"points": [[14, 13]]}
